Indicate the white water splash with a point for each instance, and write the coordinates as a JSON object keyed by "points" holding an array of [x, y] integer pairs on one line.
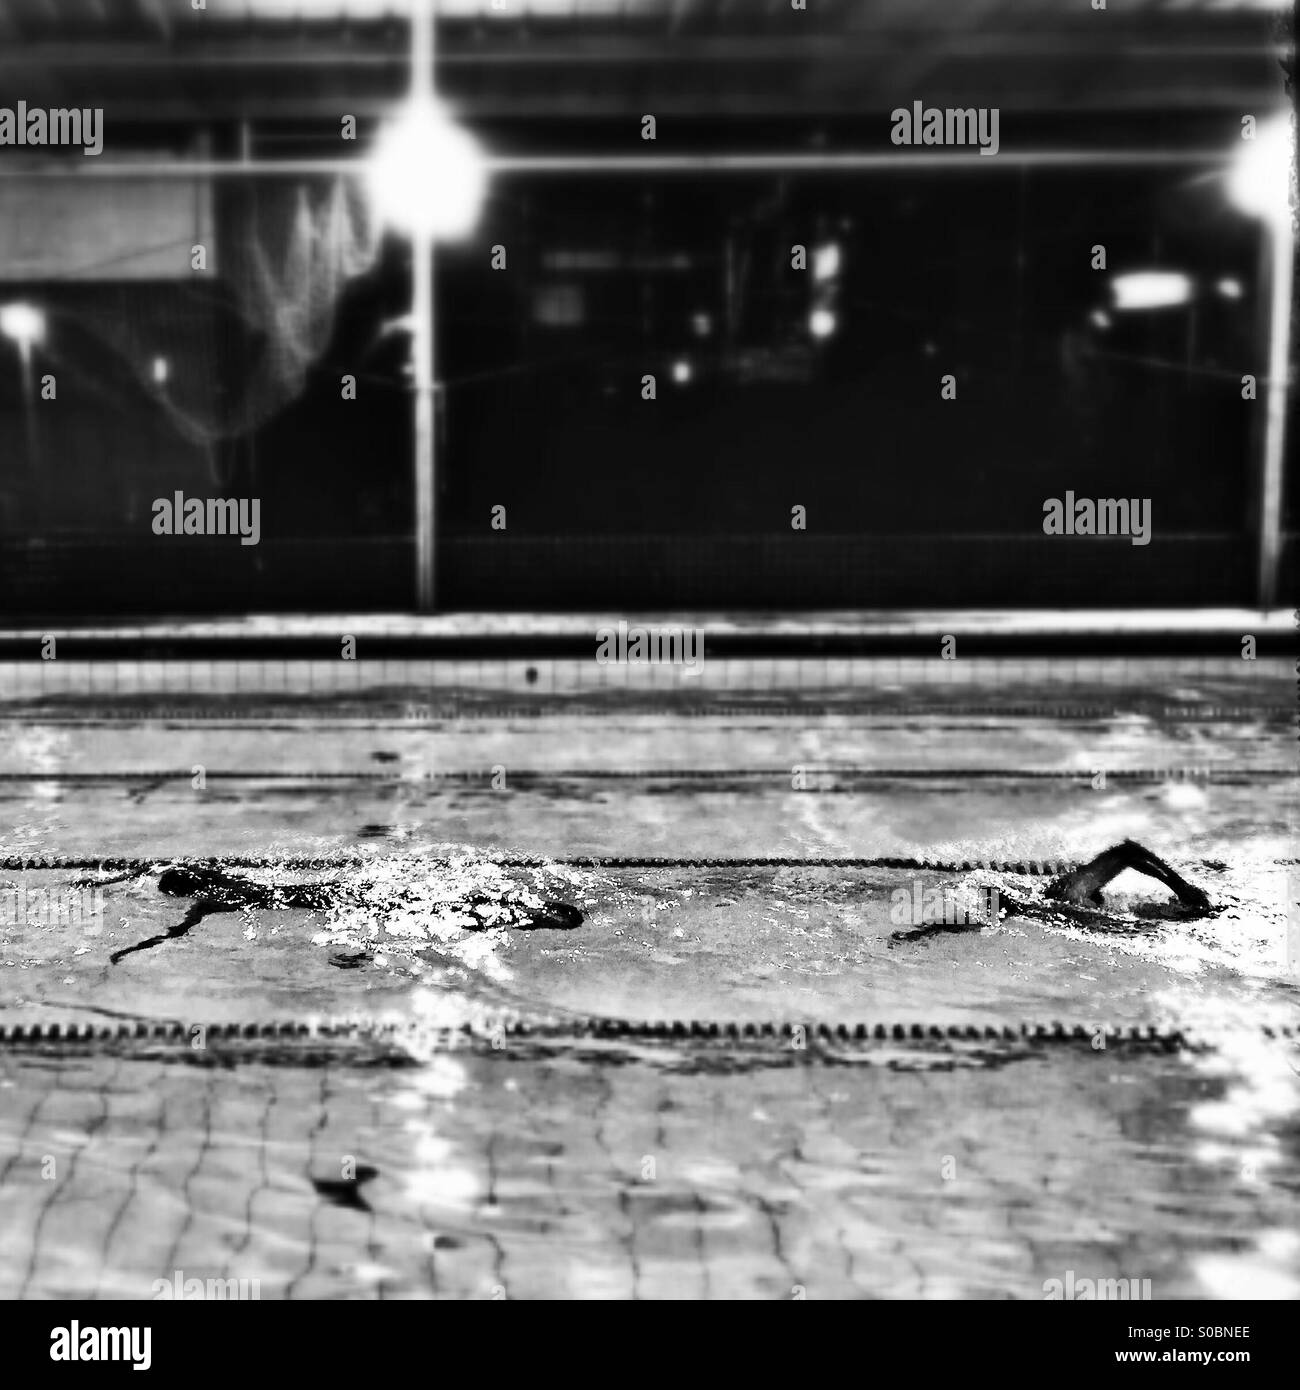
{"points": [[399, 905]]}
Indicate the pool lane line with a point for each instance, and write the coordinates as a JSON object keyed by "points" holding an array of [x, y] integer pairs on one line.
{"points": [[135, 865], [128, 866], [291, 1041], [1226, 775], [259, 717]]}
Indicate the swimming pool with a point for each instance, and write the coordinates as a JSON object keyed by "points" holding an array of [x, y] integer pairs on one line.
{"points": [[496, 1161]]}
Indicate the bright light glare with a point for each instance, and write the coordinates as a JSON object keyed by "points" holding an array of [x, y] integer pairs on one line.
{"points": [[702, 324], [1229, 289], [23, 323], [681, 372], [160, 371], [1150, 289], [1260, 181], [826, 261], [427, 175], [821, 323], [1099, 318]]}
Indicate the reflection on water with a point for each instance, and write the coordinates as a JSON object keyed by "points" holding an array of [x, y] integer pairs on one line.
{"points": [[511, 1176], [1251, 1135]]}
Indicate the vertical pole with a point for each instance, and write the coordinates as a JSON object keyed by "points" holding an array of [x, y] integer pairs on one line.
{"points": [[28, 494], [1021, 199], [422, 353], [1279, 232], [425, 463]]}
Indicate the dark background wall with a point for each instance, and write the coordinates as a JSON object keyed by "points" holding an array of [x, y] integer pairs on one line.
{"points": [[982, 272], [687, 498]]}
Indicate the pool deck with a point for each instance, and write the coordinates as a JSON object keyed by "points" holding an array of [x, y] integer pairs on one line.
{"points": [[1139, 622]]}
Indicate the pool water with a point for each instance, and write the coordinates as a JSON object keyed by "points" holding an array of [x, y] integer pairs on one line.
{"points": [[500, 1176], [667, 1168]]}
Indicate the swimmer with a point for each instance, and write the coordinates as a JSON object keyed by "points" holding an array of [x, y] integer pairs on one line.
{"points": [[215, 891]]}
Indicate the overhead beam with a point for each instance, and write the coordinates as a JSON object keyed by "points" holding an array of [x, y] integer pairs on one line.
{"points": [[770, 163]]}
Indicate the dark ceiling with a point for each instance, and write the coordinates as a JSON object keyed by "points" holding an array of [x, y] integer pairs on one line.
{"points": [[161, 61]]}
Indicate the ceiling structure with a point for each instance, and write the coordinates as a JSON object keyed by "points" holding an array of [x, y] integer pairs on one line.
{"points": [[162, 61]]}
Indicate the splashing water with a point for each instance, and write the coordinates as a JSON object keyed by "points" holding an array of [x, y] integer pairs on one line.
{"points": [[1246, 933], [398, 905]]}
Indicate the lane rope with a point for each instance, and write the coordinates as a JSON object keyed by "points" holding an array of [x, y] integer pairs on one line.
{"points": [[1220, 776], [117, 864], [395, 714], [295, 1041]]}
